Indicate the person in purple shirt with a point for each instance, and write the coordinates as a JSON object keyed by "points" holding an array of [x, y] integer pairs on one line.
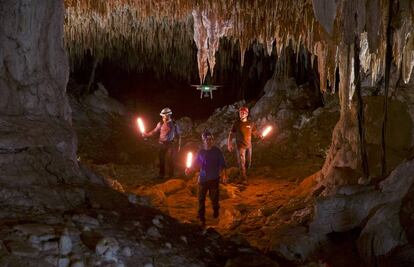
{"points": [[210, 162], [169, 132]]}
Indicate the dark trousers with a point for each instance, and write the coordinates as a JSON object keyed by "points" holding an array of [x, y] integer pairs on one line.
{"points": [[212, 187], [166, 156]]}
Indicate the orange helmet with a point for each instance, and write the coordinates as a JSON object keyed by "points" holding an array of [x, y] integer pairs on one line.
{"points": [[245, 109]]}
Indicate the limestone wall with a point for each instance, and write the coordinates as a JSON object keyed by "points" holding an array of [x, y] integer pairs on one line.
{"points": [[37, 143]]}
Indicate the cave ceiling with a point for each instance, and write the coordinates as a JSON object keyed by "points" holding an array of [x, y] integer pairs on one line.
{"points": [[159, 34]]}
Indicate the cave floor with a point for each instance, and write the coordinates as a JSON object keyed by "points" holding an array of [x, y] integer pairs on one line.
{"points": [[275, 199]]}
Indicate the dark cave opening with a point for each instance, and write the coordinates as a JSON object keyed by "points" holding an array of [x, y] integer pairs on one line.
{"points": [[146, 92]]}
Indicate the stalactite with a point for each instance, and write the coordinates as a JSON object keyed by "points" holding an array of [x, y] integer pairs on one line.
{"points": [[320, 51], [159, 34], [361, 119], [325, 12], [345, 74], [408, 58], [200, 38]]}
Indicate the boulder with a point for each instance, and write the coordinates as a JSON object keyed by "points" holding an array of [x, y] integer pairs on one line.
{"points": [[100, 102], [107, 247], [296, 244], [376, 211], [65, 244]]}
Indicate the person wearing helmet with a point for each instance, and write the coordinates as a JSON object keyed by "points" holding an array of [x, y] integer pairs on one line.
{"points": [[210, 161], [169, 131], [242, 129]]}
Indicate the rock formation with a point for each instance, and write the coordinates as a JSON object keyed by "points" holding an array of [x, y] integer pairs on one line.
{"points": [[59, 209], [38, 145]]}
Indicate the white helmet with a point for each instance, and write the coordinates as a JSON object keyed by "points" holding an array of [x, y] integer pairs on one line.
{"points": [[165, 111]]}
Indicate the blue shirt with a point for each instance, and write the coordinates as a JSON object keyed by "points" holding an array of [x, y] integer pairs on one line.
{"points": [[211, 162]]}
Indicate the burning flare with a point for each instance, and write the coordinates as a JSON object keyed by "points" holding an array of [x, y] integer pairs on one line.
{"points": [[141, 125], [189, 160], [266, 131]]}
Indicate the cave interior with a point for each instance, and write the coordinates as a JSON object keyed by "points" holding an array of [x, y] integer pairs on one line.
{"points": [[331, 185]]}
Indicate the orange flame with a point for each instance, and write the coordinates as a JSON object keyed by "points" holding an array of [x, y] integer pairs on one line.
{"points": [[266, 131], [189, 160], [141, 125]]}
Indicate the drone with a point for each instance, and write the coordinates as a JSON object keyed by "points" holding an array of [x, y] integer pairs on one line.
{"points": [[206, 90]]}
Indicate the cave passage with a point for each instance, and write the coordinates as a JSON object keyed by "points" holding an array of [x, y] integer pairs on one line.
{"points": [[285, 92], [331, 185]]}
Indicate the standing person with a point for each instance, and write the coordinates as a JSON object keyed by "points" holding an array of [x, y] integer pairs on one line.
{"points": [[210, 162], [242, 130], [169, 131]]}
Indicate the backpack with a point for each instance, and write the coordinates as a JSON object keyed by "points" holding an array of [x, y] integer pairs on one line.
{"points": [[175, 129]]}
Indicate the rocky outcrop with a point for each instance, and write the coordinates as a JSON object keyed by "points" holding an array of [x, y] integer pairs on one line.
{"points": [[219, 123], [285, 106], [374, 210], [371, 204], [37, 144], [376, 214], [115, 233], [100, 102]]}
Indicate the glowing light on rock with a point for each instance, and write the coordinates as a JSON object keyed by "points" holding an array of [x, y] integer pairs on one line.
{"points": [[189, 160], [141, 125], [266, 131]]}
